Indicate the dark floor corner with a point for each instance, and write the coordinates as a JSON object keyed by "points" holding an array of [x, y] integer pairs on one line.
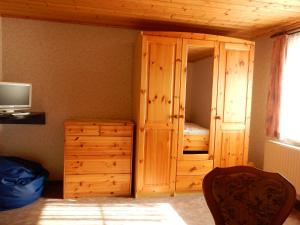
{"points": [[53, 189]]}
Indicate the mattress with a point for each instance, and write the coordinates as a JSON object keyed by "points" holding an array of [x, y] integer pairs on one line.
{"points": [[194, 129]]}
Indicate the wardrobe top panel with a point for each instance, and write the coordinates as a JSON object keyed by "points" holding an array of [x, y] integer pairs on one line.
{"points": [[198, 36]]}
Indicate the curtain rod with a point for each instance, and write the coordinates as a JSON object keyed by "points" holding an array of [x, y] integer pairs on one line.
{"points": [[289, 32]]}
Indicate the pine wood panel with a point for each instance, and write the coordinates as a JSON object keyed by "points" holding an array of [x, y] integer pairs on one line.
{"points": [[119, 131], [141, 87], [157, 158], [198, 37], [232, 153], [104, 151], [219, 16], [158, 115], [214, 100], [236, 81], [97, 141], [82, 130], [97, 122], [194, 167], [94, 165], [97, 185], [233, 105], [196, 142], [160, 83], [249, 103], [189, 183]]}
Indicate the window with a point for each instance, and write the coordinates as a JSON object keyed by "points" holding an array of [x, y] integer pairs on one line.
{"points": [[289, 121]]}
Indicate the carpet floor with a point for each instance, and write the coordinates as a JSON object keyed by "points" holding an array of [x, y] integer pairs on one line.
{"points": [[179, 210]]}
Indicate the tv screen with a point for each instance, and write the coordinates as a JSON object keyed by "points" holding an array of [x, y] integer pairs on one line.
{"points": [[15, 95]]}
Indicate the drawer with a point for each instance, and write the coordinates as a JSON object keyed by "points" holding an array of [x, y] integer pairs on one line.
{"points": [[101, 151], [82, 130], [97, 185], [189, 183], [94, 165], [195, 142], [98, 141], [190, 167], [120, 131]]}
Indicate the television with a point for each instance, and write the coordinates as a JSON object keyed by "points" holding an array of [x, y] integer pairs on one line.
{"points": [[14, 96]]}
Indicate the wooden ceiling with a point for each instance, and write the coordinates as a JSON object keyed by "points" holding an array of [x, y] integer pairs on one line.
{"points": [[239, 18]]}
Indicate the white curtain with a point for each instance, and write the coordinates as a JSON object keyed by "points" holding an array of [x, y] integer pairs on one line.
{"points": [[289, 125]]}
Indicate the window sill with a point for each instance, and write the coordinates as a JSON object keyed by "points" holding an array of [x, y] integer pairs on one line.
{"points": [[284, 144]]}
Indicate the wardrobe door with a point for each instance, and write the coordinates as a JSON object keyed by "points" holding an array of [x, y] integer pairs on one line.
{"points": [[233, 104], [158, 115]]}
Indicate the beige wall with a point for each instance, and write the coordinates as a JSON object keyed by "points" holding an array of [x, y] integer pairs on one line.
{"points": [[199, 91], [76, 71], [267, 154], [263, 51]]}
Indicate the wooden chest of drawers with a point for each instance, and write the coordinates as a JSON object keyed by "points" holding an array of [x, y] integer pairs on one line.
{"points": [[190, 174], [97, 158]]}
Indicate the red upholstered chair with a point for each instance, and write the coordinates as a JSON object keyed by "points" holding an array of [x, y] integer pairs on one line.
{"points": [[243, 195]]}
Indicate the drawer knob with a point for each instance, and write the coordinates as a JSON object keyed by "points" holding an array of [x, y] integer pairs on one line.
{"points": [[193, 169]]}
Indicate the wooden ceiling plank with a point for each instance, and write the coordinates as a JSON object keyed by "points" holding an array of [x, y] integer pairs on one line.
{"points": [[240, 5], [145, 12], [163, 6], [71, 13], [242, 17], [132, 11], [247, 3], [53, 8]]}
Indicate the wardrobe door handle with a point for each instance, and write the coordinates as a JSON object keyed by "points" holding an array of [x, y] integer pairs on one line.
{"points": [[217, 117], [177, 116]]}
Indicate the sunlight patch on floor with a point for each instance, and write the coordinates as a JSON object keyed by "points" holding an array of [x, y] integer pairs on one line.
{"points": [[72, 213]]}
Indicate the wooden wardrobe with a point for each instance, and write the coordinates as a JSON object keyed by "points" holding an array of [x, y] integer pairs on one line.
{"points": [[161, 163]]}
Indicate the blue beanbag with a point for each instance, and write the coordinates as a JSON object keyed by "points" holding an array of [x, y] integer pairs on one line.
{"points": [[21, 182]]}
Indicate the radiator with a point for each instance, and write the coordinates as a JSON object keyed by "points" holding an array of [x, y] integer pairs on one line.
{"points": [[283, 159]]}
